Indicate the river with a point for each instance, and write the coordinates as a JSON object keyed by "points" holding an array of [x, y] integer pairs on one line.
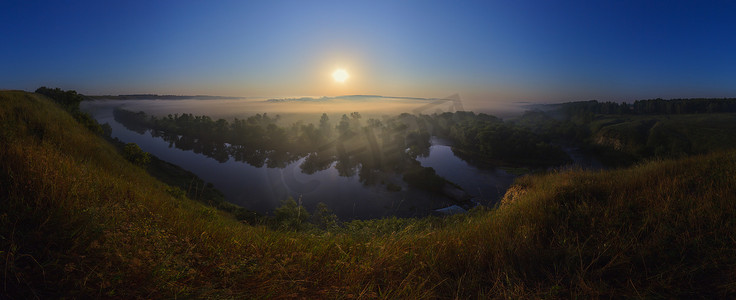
{"points": [[262, 189]]}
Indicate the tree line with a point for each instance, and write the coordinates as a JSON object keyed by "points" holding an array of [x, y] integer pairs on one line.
{"points": [[69, 100], [620, 134], [372, 149], [652, 106]]}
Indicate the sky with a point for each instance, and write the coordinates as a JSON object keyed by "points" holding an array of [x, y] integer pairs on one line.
{"points": [[487, 51]]}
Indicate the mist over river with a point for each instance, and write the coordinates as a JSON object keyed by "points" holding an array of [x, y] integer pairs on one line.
{"points": [[262, 188]]}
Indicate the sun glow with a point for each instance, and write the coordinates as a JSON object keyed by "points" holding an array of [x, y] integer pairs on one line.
{"points": [[340, 75]]}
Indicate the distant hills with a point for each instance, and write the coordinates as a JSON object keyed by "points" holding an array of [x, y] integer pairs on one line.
{"points": [[272, 100], [349, 97], [159, 97]]}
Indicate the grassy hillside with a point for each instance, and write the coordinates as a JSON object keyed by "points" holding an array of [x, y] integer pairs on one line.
{"points": [[76, 219], [623, 139], [665, 135]]}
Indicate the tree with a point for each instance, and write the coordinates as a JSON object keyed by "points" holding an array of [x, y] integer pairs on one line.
{"points": [[134, 154], [344, 127], [324, 126], [424, 178], [323, 217], [106, 130], [291, 216], [69, 99]]}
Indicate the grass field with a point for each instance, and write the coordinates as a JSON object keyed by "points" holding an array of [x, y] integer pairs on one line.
{"points": [[78, 220], [645, 136]]}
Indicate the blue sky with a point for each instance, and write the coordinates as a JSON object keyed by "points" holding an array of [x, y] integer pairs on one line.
{"points": [[488, 51]]}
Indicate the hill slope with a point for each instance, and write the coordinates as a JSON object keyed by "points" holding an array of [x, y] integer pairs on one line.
{"points": [[77, 219]]}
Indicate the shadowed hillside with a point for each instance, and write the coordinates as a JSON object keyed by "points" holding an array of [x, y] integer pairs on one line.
{"points": [[78, 220]]}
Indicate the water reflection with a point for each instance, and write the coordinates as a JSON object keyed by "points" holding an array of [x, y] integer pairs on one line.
{"points": [[350, 173], [369, 151], [486, 184]]}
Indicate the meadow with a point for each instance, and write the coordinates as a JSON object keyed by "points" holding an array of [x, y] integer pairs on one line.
{"points": [[79, 220]]}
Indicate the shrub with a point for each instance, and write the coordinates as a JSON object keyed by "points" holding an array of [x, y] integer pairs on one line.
{"points": [[134, 154], [323, 217], [291, 216]]}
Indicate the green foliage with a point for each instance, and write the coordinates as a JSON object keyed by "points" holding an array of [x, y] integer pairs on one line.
{"points": [[87, 121], [684, 106], [651, 107], [370, 151], [133, 153], [325, 127], [68, 99], [106, 130], [622, 134], [324, 218], [176, 192], [425, 178], [646, 136], [291, 216], [571, 131], [492, 139]]}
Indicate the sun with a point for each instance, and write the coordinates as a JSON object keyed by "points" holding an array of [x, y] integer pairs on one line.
{"points": [[340, 75]]}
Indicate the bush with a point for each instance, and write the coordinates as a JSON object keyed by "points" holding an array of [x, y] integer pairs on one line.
{"points": [[68, 99], [323, 217], [291, 216], [134, 154], [88, 121]]}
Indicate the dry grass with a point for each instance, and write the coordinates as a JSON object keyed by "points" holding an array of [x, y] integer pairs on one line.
{"points": [[78, 220]]}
